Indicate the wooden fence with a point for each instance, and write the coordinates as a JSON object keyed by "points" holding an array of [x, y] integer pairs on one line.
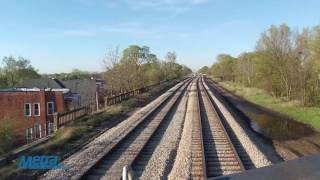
{"points": [[126, 95], [61, 119]]}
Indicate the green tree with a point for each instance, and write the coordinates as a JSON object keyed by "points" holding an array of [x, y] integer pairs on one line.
{"points": [[7, 134], [75, 74], [137, 67], [204, 70], [246, 68], [277, 46], [224, 68], [312, 68], [170, 66], [3, 79], [285, 63], [17, 70]]}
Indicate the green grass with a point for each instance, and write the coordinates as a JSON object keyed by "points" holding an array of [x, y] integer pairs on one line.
{"points": [[294, 109]]}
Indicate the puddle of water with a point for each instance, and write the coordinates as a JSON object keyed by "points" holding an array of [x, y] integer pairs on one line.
{"points": [[267, 123], [297, 137], [274, 127]]}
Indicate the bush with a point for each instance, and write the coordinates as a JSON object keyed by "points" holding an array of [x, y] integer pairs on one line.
{"points": [[7, 134]]}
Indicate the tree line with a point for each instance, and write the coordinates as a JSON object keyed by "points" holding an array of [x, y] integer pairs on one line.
{"points": [[74, 74], [137, 67], [15, 70], [285, 63]]}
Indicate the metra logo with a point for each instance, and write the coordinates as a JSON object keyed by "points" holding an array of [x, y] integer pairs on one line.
{"points": [[39, 162]]}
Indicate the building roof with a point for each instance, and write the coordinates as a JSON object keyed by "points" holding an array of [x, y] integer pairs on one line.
{"points": [[64, 90], [85, 87], [43, 83]]}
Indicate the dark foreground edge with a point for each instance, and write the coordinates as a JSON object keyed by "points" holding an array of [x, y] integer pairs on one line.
{"points": [[303, 168]]}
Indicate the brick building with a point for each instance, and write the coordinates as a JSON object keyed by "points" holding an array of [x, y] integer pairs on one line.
{"points": [[30, 111], [83, 92]]}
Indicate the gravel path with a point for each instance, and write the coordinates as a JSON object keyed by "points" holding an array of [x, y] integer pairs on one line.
{"points": [[89, 154], [182, 165], [246, 139], [163, 157]]}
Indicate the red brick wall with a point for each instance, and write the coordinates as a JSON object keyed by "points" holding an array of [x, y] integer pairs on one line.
{"points": [[12, 105], [59, 105], [57, 98]]}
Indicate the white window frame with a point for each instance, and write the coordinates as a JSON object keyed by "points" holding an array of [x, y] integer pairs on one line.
{"points": [[51, 102], [24, 109], [35, 109]]}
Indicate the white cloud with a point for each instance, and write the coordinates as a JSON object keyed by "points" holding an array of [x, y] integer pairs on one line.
{"points": [[79, 33], [131, 29], [157, 3], [173, 6], [111, 4], [199, 1]]}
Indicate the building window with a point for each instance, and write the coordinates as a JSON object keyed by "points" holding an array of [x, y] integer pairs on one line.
{"points": [[37, 130], [29, 135], [36, 109], [50, 108], [27, 109]]}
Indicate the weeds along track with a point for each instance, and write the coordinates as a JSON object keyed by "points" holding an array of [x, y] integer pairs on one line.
{"points": [[211, 139], [127, 149]]}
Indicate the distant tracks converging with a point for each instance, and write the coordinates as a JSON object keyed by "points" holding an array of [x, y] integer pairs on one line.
{"points": [[215, 149], [127, 149]]}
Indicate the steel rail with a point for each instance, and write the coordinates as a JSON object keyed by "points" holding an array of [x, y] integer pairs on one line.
{"points": [[198, 165], [130, 145], [221, 156]]}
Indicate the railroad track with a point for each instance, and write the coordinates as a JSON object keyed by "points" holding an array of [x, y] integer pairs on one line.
{"points": [[125, 152], [245, 158], [213, 153], [145, 155], [198, 167], [215, 149]]}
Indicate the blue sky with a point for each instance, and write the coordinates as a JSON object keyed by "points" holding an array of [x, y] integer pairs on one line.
{"points": [[59, 35]]}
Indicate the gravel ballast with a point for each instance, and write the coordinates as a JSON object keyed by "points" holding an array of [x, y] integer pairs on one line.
{"points": [[182, 165], [79, 162], [163, 156], [246, 138], [171, 158]]}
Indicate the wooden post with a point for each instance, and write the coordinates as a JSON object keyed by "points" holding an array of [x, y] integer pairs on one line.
{"points": [[106, 101], [97, 100]]}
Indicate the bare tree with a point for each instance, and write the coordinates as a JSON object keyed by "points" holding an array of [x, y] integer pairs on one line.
{"points": [[112, 74]]}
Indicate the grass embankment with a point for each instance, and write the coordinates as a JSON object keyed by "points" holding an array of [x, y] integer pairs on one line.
{"points": [[294, 109], [70, 137]]}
